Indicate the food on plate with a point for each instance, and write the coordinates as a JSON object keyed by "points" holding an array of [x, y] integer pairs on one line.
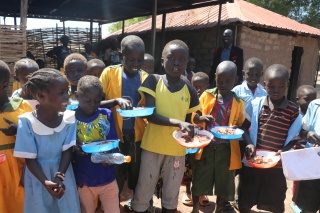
{"points": [[197, 138], [227, 131], [260, 160], [137, 108], [103, 142]]}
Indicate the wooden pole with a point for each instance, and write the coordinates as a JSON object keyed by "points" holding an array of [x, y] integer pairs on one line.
{"points": [[154, 27], [122, 28], [163, 29], [64, 28], [218, 26], [23, 24], [91, 30]]}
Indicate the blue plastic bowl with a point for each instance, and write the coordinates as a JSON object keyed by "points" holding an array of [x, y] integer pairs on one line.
{"points": [[237, 135], [100, 146], [136, 112], [192, 151]]}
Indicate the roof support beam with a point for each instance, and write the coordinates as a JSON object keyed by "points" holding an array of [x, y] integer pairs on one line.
{"points": [[23, 24], [154, 27], [218, 26]]}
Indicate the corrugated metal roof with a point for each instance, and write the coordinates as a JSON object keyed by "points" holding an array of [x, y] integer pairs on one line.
{"points": [[242, 11]]}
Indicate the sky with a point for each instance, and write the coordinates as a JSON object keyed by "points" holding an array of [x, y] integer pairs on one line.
{"points": [[35, 23]]}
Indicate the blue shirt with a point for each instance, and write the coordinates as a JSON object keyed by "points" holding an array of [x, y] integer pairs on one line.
{"points": [[311, 121], [245, 93], [225, 53], [130, 88], [95, 174]]}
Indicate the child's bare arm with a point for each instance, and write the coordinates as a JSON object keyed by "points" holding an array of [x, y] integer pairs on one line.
{"points": [[198, 119], [122, 102], [164, 121], [250, 149], [310, 136], [53, 188]]}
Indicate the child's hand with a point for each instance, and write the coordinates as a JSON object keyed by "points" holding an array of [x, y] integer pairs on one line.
{"points": [[250, 151], [313, 138], [209, 119], [11, 130], [54, 189], [234, 126], [78, 150], [124, 103], [187, 127]]}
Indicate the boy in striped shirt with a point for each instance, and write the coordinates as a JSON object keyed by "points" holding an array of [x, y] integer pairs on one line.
{"points": [[274, 121]]}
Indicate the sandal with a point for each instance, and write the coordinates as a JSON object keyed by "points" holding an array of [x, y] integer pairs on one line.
{"points": [[127, 207], [187, 199], [204, 201]]}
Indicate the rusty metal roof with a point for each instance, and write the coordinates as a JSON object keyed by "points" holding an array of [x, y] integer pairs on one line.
{"points": [[239, 11]]}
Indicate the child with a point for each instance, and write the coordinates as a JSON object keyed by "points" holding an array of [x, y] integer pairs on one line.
{"points": [[123, 81], [148, 64], [95, 67], [274, 121], [45, 138], [174, 100], [94, 124], [305, 94], [22, 69], [200, 81], [75, 67], [190, 68], [308, 195], [11, 190], [221, 107], [250, 87]]}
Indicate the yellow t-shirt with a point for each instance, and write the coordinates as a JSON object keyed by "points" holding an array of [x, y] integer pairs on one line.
{"points": [[11, 192], [171, 104]]}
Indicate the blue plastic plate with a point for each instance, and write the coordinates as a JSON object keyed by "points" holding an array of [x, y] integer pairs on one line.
{"points": [[136, 112], [237, 135], [192, 151], [100, 146]]}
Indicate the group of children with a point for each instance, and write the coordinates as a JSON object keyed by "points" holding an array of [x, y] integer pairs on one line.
{"points": [[47, 171]]}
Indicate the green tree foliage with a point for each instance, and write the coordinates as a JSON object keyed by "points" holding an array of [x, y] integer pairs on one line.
{"points": [[118, 25], [304, 11]]}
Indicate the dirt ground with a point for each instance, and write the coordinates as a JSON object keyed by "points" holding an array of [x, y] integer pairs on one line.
{"points": [[126, 195]]}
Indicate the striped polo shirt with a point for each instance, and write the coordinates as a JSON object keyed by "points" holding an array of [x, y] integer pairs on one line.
{"points": [[273, 124]]}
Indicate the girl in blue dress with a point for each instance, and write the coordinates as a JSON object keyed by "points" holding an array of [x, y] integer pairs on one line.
{"points": [[45, 138]]}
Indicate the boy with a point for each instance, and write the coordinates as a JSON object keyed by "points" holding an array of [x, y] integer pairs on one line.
{"points": [[200, 81], [250, 87], [219, 106], [22, 69], [11, 190], [123, 81], [148, 64], [95, 67], [274, 121], [190, 68], [305, 94], [308, 195], [174, 100]]}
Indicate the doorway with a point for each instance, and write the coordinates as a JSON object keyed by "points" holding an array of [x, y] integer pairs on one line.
{"points": [[295, 71]]}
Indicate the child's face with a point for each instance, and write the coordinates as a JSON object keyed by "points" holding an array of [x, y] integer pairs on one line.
{"points": [[3, 87], [200, 84], [148, 66], [133, 59], [175, 60], [89, 100], [57, 96], [276, 86], [304, 98], [74, 71], [225, 82], [252, 76], [21, 75], [191, 65], [95, 71]]}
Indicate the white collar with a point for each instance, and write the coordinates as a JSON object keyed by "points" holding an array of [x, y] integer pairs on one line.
{"points": [[41, 129], [258, 89]]}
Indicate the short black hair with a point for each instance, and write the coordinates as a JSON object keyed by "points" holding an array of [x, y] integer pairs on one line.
{"points": [[148, 56], [95, 62], [131, 41], [64, 37], [178, 43], [76, 57], [306, 87], [227, 66], [4, 72], [202, 75], [279, 70], [25, 63], [41, 80], [253, 63], [87, 82]]}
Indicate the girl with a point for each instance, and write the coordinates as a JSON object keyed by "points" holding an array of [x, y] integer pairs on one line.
{"points": [[45, 139], [94, 124]]}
